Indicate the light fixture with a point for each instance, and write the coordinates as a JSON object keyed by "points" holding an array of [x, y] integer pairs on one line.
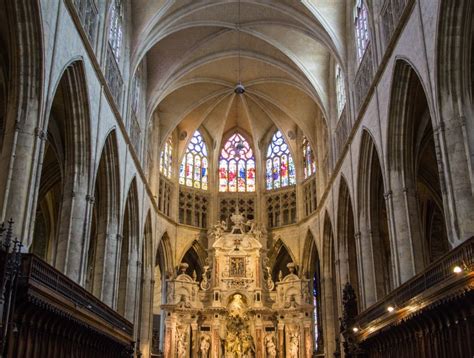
{"points": [[457, 269], [355, 329], [390, 309]]}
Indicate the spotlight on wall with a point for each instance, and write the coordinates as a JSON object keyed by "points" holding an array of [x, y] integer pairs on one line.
{"points": [[457, 269], [390, 309], [355, 329]]}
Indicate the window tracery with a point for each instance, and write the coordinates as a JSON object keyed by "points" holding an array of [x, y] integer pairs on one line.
{"points": [[340, 90], [236, 166], [116, 28], [361, 20], [280, 167], [194, 167], [309, 166], [166, 157]]}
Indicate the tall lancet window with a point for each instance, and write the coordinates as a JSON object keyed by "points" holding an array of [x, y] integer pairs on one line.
{"points": [[166, 157], [280, 166], [361, 22], [236, 166], [116, 28], [309, 166], [193, 168], [340, 90]]}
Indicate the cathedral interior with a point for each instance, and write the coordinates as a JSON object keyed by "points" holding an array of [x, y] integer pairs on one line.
{"points": [[236, 178]]}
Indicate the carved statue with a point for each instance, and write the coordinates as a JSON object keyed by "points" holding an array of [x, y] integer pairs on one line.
{"points": [[280, 276], [270, 346], [349, 307], [205, 284], [218, 229], [294, 345], [205, 346], [248, 346], [256, 229], [237, 306], [268, 272], [184, 302], [181, 344], [239, 223]]}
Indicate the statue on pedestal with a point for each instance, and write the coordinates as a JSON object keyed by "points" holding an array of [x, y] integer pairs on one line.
{"points": [[239, 223], [205, 346], [294, 345], [270, 346], [218, 230]]}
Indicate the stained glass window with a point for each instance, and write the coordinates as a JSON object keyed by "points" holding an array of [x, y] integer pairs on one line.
{"points": [[193, 168], [280, 167], [236, 166], [115, 29], [309, 166], [315, 312], [165, 158], [340, 90], [361, 20]]}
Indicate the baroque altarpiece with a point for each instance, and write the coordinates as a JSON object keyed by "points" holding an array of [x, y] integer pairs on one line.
{"points": [[236, 309]]}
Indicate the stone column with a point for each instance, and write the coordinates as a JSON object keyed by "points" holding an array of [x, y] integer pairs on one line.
{"points": [[170, 331], [281, 340], [72, 224], [215, 339], [259, 338], [194, 340], [367, 279], [308, 340], [456, 184], [405, 233]]}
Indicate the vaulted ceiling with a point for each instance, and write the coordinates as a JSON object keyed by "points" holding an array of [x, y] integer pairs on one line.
{"points": [[197, 51]]}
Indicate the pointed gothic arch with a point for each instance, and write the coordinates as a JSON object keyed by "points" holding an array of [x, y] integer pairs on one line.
{"points": [[64, 182], [347, 248], [311, 266], [329, 287], [195, 256], [128, 275], [455, 128], [373, 221], [279, 256], [146, 288], [413, 164]]}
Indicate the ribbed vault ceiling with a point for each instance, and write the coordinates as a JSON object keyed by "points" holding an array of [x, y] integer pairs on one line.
{"points": [[197, 51]]}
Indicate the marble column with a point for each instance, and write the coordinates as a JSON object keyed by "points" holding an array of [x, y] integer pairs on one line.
{"points": [[194, 340], [281, 340]]}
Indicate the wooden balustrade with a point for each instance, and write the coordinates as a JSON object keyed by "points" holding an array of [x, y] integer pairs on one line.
{"points": [[56, 317], [435, 274]]}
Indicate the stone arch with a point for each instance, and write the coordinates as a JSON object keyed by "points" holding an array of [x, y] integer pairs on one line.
{"points": [[413, 167], [279, 257], [146, 288], [455, 92], [164, 268], [102, 248], [195, 256], [347, 245], [67, 149], [20, 106], [329, 288], [311, 266], [128, 275], [376, 252]]}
